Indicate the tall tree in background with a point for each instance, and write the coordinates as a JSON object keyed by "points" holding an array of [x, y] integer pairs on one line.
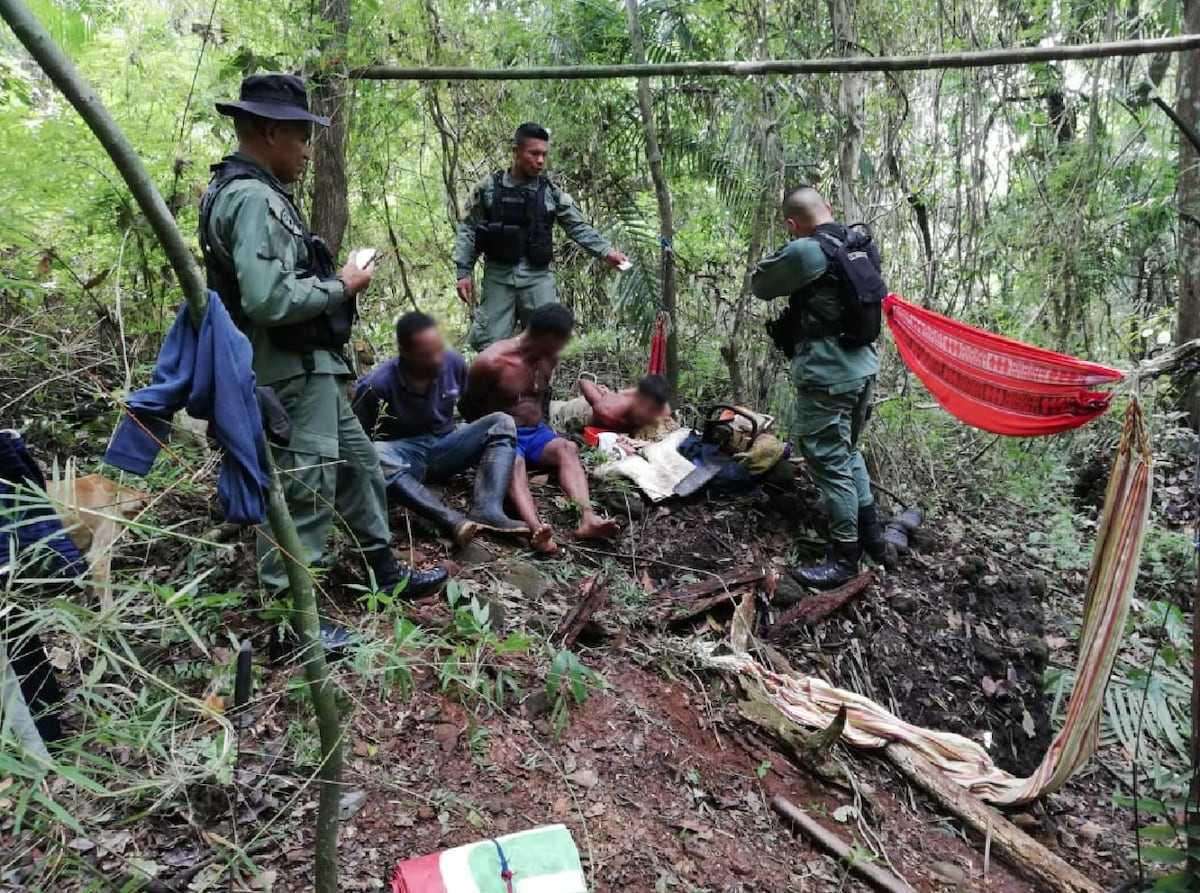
{"points": [[851, 88], [1188, 198], [330, 201], [662, 194]]}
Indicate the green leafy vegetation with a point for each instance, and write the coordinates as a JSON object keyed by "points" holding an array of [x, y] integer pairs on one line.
{"points": [[1043, 202]]}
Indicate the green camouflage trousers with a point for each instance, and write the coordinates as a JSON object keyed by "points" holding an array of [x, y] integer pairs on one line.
{"points": [[502, 306], [328, 472], [829, 420]]}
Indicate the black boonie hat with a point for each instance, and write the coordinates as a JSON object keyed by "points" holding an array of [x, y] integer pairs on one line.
{"points": [[277, 97]]}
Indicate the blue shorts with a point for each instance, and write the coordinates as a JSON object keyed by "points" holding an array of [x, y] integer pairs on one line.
{"points": [[531, 442]]}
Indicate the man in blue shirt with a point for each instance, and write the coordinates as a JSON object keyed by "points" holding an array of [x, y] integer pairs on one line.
{"points": [[406, 406]]}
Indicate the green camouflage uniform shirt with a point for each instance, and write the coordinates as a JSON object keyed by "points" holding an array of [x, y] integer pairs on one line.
{"points": [[818, 361], [256, 231]]}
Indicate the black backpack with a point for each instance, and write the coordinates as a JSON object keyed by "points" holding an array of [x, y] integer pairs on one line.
{"points": [[853, 259]]}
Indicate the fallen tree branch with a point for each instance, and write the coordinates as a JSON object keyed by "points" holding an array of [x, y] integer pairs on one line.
{"points": [[593, 594], [818, 607], [879, 878], [683, 604], [1183, 359], [1014, 845], [841, 65], [809, 750]]}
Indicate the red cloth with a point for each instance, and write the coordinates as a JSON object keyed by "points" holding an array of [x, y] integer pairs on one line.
{"points": [[658, 347], [995, 383], [423, 875]]}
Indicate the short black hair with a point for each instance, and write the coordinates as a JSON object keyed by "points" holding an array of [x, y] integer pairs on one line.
{"points": [[530, 131], [410, 325], [802, 200], [247, 125], [552, 320], [656, 387], [799, 187]]}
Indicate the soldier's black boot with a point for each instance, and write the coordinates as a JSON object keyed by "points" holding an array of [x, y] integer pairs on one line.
{"points": [[411, 493], [870, 537], [390, 574], [837, 570], [492, 478]]}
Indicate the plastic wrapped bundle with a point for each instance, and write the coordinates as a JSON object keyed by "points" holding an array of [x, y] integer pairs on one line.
{"points": [[542, 860]]}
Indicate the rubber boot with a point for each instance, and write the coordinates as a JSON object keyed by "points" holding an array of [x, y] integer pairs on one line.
{"points": [[492, 478], [411, 493], [837, 570], [870, 537], [391, 575]]}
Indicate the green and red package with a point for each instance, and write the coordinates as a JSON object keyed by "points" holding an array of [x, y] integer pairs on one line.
{"points": [[541, 860]]}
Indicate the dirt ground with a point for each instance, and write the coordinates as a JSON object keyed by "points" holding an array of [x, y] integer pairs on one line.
{"points": [[663, 785]]}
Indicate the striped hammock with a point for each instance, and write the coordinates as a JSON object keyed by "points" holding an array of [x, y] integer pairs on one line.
{"points": [[812, 702], [995, 383]]}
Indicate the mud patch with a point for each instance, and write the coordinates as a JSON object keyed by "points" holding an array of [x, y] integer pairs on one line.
{"points": [[966, 657]]}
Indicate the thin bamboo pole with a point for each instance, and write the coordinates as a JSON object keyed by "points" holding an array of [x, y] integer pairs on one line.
{"points": [[59, 68], [734, 68]]}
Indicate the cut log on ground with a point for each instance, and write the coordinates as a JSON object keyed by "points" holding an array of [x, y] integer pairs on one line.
{"points": [[593, 594], [1015, 846], [878, 877], [695, 599], [818, 607], [809, 750]]}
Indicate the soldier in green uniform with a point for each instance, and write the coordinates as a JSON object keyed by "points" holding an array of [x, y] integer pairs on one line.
{"points": [[510, 220], [834, 380], [282, 289]]}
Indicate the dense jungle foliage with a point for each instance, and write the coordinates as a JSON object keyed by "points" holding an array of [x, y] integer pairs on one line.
{"points": [[1044, 202]]}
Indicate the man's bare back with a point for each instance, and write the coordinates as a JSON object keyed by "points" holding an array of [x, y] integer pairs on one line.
{"points": [[624, 411]]}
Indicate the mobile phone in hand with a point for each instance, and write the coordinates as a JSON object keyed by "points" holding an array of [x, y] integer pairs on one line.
{"points": [[364, 257]]}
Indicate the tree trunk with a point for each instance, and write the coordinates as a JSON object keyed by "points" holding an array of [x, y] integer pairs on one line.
{"points": [[1188, 198], [662, 195], [330, 198], [59, 68], [851, 88], [731, 352]]}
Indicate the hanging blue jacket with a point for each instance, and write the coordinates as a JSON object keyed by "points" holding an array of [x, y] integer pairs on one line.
{"points": [[30, 528], [208, 373]]}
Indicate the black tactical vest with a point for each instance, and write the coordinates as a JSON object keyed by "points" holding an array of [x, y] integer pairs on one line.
{"points": [[330, 330], [519, 225]]}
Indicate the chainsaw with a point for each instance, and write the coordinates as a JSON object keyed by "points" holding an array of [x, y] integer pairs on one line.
{"points": [[732, 429]]}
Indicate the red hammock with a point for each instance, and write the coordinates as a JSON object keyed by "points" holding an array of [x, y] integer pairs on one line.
{"points": [[658, 347], [995, 383]]}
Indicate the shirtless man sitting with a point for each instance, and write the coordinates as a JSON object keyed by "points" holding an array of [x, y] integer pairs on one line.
{"points": [[513, 376]]}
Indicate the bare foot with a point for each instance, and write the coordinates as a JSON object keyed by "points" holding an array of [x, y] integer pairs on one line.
{"points": [[593, 527], [542, 540]]}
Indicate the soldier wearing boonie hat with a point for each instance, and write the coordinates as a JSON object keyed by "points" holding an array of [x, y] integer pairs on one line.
{"points": [[281, 286]]}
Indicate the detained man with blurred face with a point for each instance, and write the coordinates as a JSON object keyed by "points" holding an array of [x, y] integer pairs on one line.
{"points": [[407, 406]]}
